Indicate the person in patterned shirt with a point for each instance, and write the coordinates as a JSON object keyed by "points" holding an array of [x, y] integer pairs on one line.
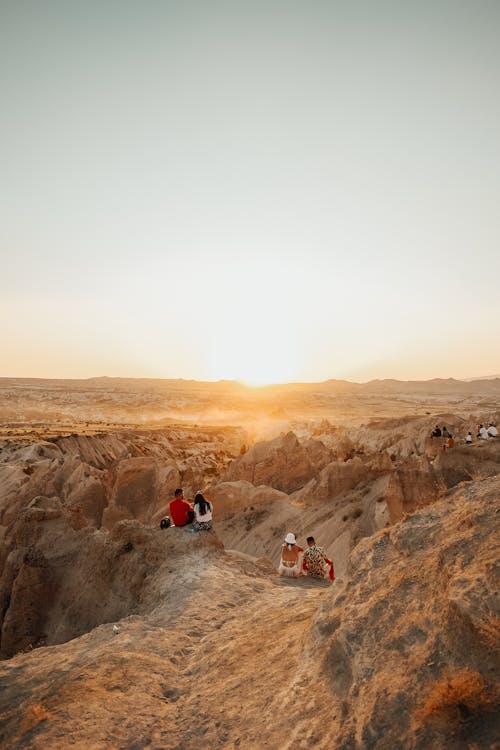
{"points": [[315, 562]]}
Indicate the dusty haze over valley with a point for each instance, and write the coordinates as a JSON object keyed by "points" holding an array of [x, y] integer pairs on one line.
{"points": [[118, 634], [26, 402]]}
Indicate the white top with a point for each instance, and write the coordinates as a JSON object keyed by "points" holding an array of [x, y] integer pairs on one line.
{"points": [[199, 517], [468, 439], [492, 430], [483, 433]]}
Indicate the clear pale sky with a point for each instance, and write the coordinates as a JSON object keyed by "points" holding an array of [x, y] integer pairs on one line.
{"points": [[266, 191]]}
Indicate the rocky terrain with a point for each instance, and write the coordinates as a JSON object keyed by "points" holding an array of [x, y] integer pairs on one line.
{"points": [[209, 648], [214, 651]]}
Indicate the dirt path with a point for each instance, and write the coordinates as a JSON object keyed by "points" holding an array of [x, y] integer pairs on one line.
{"points": [[243, 668], [219, 663]]}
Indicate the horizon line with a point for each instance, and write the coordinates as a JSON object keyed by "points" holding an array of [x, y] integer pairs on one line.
{"points": [[253, 386]]}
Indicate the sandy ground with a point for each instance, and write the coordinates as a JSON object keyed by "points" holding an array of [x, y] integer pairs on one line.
{"points": [[219, 663]]}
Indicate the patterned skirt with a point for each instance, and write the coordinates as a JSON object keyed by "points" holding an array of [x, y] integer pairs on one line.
{"points": [[202, 525]]}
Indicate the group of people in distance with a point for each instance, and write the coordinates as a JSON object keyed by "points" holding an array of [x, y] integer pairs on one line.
{"points": [[295, 561], [449, 440], [184, 513], [483, 433]]}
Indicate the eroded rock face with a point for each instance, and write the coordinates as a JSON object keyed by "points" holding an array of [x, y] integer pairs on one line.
{"points": [[56, 494], [98, 482], [398, 653], [337, 477], [138, 489], [466, 462], [112, 477], [416, 618], [231, 498], [283, 463], [345, 499], [61, 579], [413, 484]]}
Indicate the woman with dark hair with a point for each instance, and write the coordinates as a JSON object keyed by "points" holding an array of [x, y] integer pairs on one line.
{"points": [[202, 513]]}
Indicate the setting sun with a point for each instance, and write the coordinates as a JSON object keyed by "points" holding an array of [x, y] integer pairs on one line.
{"points": [[254, 360], [248, 226]]}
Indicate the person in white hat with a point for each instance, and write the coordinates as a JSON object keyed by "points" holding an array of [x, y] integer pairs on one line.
{"points": [[290, 557]]}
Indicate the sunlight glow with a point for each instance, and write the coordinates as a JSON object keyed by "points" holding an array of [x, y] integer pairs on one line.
{"points": [[314, 210]]}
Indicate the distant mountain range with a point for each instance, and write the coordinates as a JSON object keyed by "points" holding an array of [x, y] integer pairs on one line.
{"points": [[446, 386], [484, 377]]}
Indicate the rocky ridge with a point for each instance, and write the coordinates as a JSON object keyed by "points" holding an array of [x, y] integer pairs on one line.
{"points": [[397, 653], [400, 644], [340, 489]]}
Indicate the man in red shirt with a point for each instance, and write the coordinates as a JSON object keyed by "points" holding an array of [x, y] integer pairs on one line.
{"points": [[181, 512]]}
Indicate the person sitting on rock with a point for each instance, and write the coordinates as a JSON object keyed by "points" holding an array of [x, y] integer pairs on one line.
{"points": [[492, 430], [436, 432], [483, 432], [290, 557], [181, 512], [315, 562], [468, 439], [202, 513]]}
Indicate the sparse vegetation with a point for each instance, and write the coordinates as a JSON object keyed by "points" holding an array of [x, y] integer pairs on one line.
{"points": [[461, 697], [34, 715]]}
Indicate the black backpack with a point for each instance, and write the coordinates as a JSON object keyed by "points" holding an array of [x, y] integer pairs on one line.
{"points": [[165, 523]]}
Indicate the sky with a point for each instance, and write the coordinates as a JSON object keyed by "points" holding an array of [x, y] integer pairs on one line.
{"points": [[264, 191]]}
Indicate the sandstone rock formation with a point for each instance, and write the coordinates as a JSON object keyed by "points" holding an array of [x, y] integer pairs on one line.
{"points": [[112, 476], [413, 483], [407, 644], [466, 462], [396, 654], [232, 498], [60, 581], [283, 463]]}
